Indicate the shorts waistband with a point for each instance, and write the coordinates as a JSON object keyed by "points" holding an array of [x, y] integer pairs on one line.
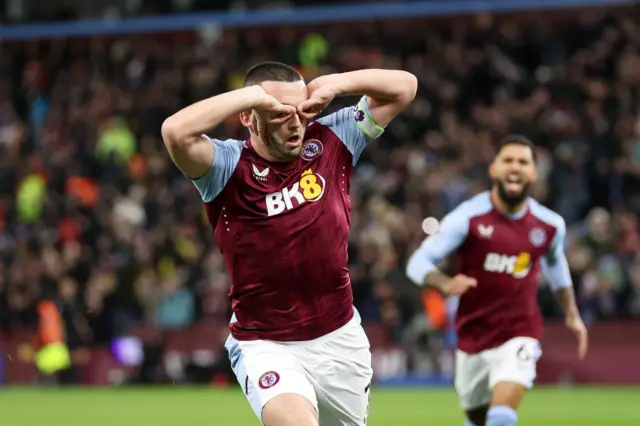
{"points": [[356, 320]]}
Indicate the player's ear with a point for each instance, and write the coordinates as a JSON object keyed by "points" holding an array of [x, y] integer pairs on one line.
{"points": [[492, 170], [534, 173], [245, 118]]}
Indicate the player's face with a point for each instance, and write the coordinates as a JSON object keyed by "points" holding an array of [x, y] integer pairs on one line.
{"points": [[513, 171], [284, 140]]}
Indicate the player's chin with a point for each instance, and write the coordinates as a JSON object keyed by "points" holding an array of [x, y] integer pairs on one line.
{"points": [[514, 189], [513, 193], [293, 148]]}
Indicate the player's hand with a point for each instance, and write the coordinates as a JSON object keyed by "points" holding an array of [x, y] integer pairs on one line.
{"points": [[271, 111], [575, 324], [320, 96], [459, 284]]}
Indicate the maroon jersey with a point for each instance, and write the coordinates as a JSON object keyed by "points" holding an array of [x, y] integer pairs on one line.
{"points": [[506, 255], [283, 230]]}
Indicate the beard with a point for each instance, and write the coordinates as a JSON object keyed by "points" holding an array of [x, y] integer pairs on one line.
{"points": [[280, 151], [512, 200]]}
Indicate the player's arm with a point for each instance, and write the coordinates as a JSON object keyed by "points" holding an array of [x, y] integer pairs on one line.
{"points": [[183, 132], [387, 92], [555, 269], [422, 269]]}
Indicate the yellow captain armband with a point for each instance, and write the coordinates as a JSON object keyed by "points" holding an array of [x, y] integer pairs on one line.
{"points": [[364, 121]]}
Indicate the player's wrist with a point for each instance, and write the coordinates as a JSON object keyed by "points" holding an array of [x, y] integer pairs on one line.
{"points": [[572, 316], [256, 96], [335, 83], [438, 280]]}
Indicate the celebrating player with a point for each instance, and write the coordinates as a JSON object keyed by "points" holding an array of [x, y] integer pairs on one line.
{"points": [[279, 207], [503, 240]]}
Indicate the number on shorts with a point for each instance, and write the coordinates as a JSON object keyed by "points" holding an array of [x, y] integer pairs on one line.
{"points": [[523, 354], [367, 390]]}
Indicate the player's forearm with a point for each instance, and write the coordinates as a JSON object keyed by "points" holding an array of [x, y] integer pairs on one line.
{"points": [[568, 302], [191, 122], [424, 272], [437, 280], [382, 85]]}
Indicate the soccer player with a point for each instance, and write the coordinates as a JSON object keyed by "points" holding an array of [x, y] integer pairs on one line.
{"points": [[279, 207], [503, 240]]}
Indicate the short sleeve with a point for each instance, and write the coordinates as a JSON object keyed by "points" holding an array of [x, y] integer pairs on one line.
{"points": [[225, 159], [452, 233], [555, 267], [556, 248], [354, 127]]}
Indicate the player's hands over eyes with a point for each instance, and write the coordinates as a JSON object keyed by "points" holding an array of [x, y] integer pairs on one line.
{"points": [[271, 111], [575, 324], [320, 96], [459, 284]]}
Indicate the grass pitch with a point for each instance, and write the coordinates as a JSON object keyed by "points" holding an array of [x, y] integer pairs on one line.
{"points": [[178, 406]]}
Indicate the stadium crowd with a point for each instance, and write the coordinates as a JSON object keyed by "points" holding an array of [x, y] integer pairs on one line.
{"points": [[94, 214]]}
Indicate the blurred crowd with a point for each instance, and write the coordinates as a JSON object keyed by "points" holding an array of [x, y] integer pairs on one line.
{"points": [[27, 11], [94, 214]]}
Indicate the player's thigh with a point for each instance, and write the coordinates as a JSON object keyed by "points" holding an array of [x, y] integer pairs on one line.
{"points": [[514, 370], [472, 380], [273, 381], [341, 372], [289, 409]]}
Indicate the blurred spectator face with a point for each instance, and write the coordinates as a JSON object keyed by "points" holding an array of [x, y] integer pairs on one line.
{"points": [[283, 140], [18, 299], [513, 171], [93, 298], [68, 289], [384, 291], [598, 223]]}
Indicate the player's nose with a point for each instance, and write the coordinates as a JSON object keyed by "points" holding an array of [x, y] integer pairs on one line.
{"points": [[295, 121]]}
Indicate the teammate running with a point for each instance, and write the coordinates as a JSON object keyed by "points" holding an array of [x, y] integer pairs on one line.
{"points": [[503, 240], [279, 207]]}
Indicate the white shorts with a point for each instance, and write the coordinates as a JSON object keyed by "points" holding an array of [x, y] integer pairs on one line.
{"points": [[333, 372], [477, 374]]}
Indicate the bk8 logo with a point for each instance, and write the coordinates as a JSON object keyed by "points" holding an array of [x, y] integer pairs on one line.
{"points": [[310, 188], [517, 266]]}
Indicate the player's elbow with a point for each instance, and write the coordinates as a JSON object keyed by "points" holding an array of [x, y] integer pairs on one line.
{"points": [[407, 88], [416, 270], [173, 134]]}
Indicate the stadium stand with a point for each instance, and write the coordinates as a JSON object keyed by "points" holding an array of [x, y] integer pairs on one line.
{"points": [[94, 215]]}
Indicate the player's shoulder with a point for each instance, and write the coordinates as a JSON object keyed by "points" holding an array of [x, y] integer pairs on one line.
{"points": [[234, 145], [460, 218], [546, 215], [329, 133], [228, 150], [478, 205], [351, 122], [226, 157], [337, 123]]}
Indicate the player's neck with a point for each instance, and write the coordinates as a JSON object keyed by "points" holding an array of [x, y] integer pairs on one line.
{"points": [[505, 208]]}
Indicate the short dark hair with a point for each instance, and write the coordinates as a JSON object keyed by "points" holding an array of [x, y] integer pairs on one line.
{"points": [[271, 71], [516, 139]]}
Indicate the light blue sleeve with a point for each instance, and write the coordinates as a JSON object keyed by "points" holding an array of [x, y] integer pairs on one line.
{"points": [[553, 264], [454, 229], [354, 126], [225, 159]]}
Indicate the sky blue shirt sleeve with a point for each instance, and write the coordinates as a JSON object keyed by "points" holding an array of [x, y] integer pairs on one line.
{"points": [[553, 264], [225, 159], [452, 233], [344, 124]]}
